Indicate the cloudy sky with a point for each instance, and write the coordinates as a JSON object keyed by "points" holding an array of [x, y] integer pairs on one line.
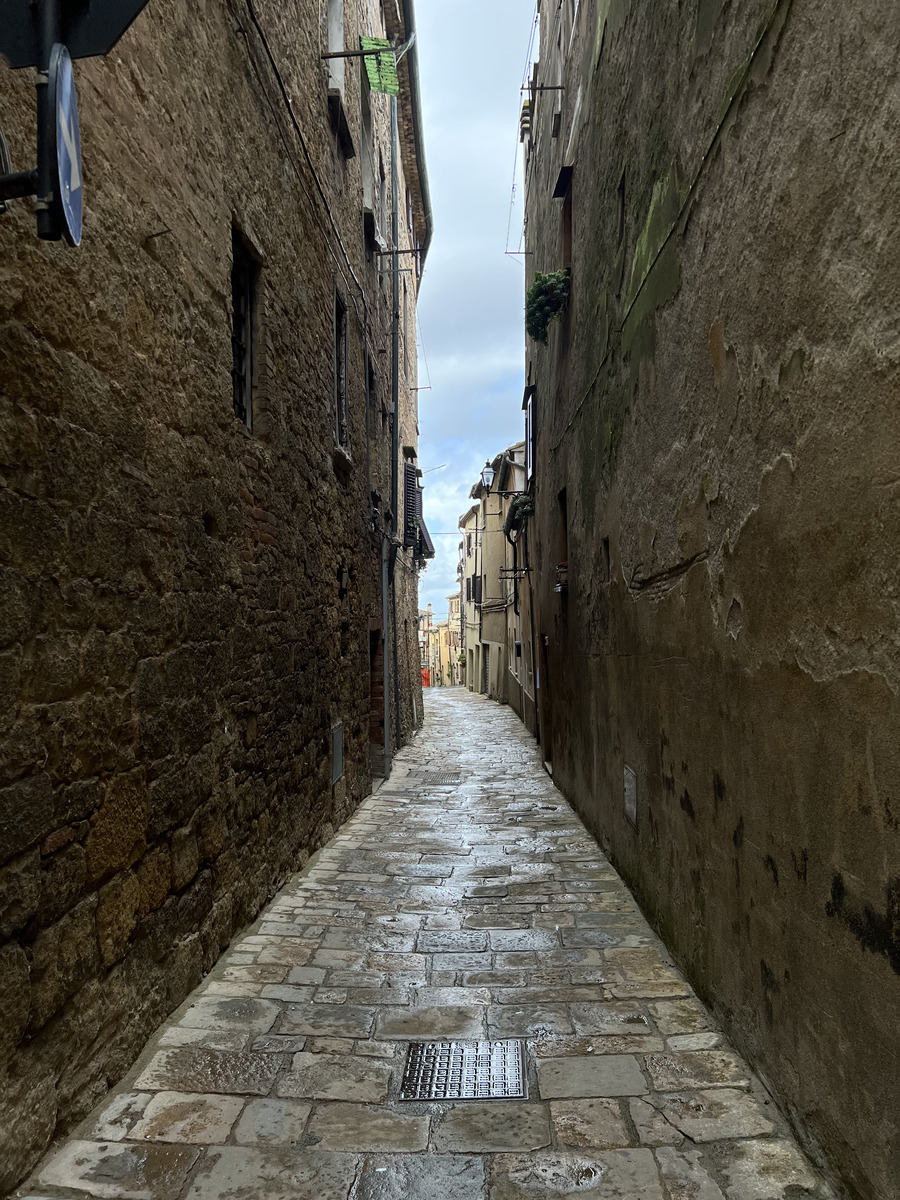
{"points": [[472, 58]]}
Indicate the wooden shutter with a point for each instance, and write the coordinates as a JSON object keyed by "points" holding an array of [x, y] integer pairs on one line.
{"points": [[410, 488]]}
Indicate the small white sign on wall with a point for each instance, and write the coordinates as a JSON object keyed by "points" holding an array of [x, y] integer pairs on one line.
{"points": [[631, 796]]}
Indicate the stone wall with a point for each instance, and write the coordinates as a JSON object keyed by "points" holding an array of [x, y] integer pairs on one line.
{"points": [[186, 606], [718, 439]]}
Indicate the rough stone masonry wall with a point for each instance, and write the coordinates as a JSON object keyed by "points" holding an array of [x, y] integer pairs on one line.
{"points": [[720, 406], [176, 639]]}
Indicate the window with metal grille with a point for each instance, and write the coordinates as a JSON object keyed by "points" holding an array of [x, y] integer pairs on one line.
{"points": [[244, 279], [341, 404]]}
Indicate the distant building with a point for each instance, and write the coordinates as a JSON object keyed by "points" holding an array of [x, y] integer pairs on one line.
{"points": [[429, 657], [497, 603]]}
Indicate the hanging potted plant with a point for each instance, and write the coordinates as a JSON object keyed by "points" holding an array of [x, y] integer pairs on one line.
{"points": [[546, 301]]}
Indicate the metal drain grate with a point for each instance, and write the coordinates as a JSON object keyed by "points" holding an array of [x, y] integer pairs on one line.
{"points": [[441, 779], [465, 1071]]}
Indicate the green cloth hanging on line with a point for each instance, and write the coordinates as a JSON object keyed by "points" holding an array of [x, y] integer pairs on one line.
{"points": [[381, 68]]}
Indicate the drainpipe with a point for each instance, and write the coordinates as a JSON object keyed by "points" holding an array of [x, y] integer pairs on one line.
{"points": [[395, 394], [412, 61], [385, 658], [385, 545], [535, 670]]}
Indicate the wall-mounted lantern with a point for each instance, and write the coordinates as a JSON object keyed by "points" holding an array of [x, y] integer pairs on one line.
{"points": [[487, 475]]}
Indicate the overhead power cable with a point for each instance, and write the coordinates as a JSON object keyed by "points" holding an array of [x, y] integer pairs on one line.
{"points": [[525, 75], [285, 94]]}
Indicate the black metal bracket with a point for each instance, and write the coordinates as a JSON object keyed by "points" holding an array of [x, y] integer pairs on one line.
{"points": [[15, 186], [357, 53]]}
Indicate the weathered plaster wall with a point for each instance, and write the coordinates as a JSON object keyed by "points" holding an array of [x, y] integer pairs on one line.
{"points": [[185, 607], [720, 406]]}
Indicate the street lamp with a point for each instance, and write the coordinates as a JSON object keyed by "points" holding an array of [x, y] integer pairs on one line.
{"points": [[487, 475]]}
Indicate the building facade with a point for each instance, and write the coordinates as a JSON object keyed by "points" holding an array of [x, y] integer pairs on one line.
{"points": [[716, 530], [429, 659], [496, 582], [208, 427], [450, 643]]}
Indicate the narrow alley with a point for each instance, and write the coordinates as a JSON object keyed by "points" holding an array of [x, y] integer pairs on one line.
{"points": [[463, 901]]}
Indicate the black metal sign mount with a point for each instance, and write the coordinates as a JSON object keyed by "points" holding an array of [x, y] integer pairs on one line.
{"points": [[46, 35], [85, 27]]}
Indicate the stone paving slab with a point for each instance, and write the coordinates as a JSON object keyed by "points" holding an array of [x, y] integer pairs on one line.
{"points": [[474, 910]]}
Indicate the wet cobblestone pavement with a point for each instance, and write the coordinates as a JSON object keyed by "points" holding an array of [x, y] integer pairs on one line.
{"points": [[443, 910]]}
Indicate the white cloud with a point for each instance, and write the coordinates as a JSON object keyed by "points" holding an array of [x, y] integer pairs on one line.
{"points": [[472, 62]]}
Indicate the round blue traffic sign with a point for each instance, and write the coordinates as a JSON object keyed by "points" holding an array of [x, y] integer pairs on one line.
{"points": [[67, 177]]}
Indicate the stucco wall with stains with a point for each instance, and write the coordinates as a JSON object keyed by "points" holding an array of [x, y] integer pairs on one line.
{"points": [[718, 449]]}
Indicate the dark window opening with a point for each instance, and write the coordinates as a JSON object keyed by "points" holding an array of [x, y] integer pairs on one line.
{"points": [[530, 437], [244, 280], [621, 231], [337, 752], [367, 167], [562, 535], [341, 404], [405, 334], [566, 230]]}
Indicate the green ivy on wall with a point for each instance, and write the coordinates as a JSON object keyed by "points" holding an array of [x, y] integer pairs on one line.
{"points": [[546, 301]]}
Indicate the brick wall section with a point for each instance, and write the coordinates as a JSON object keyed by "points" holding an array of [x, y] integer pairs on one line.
{"points": [[719, 405], [175, 643]]}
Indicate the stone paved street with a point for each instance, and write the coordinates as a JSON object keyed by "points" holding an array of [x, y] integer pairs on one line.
{"points": [[463, 901]]}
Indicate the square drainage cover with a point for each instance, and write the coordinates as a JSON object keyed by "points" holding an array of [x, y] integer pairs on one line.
{"points": [[465, 1071]]}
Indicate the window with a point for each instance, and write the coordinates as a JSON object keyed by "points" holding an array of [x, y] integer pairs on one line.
{"points": [[410, 487], [337, 752], [336, 45], [562, 533], [367, 158], [341, 405], [244, 282], [382, 218], [424, 544], [564, 191], [336, 77], [530, 442], [405, 333]]}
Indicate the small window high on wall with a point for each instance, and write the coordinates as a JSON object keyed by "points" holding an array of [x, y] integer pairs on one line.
{"points": [[244, 284], [367, 150], [336, 45], [341, 396]]}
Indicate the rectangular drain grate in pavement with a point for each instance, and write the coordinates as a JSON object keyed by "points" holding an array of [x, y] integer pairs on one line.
{"points": [[465, 1071], [441, 779]]}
